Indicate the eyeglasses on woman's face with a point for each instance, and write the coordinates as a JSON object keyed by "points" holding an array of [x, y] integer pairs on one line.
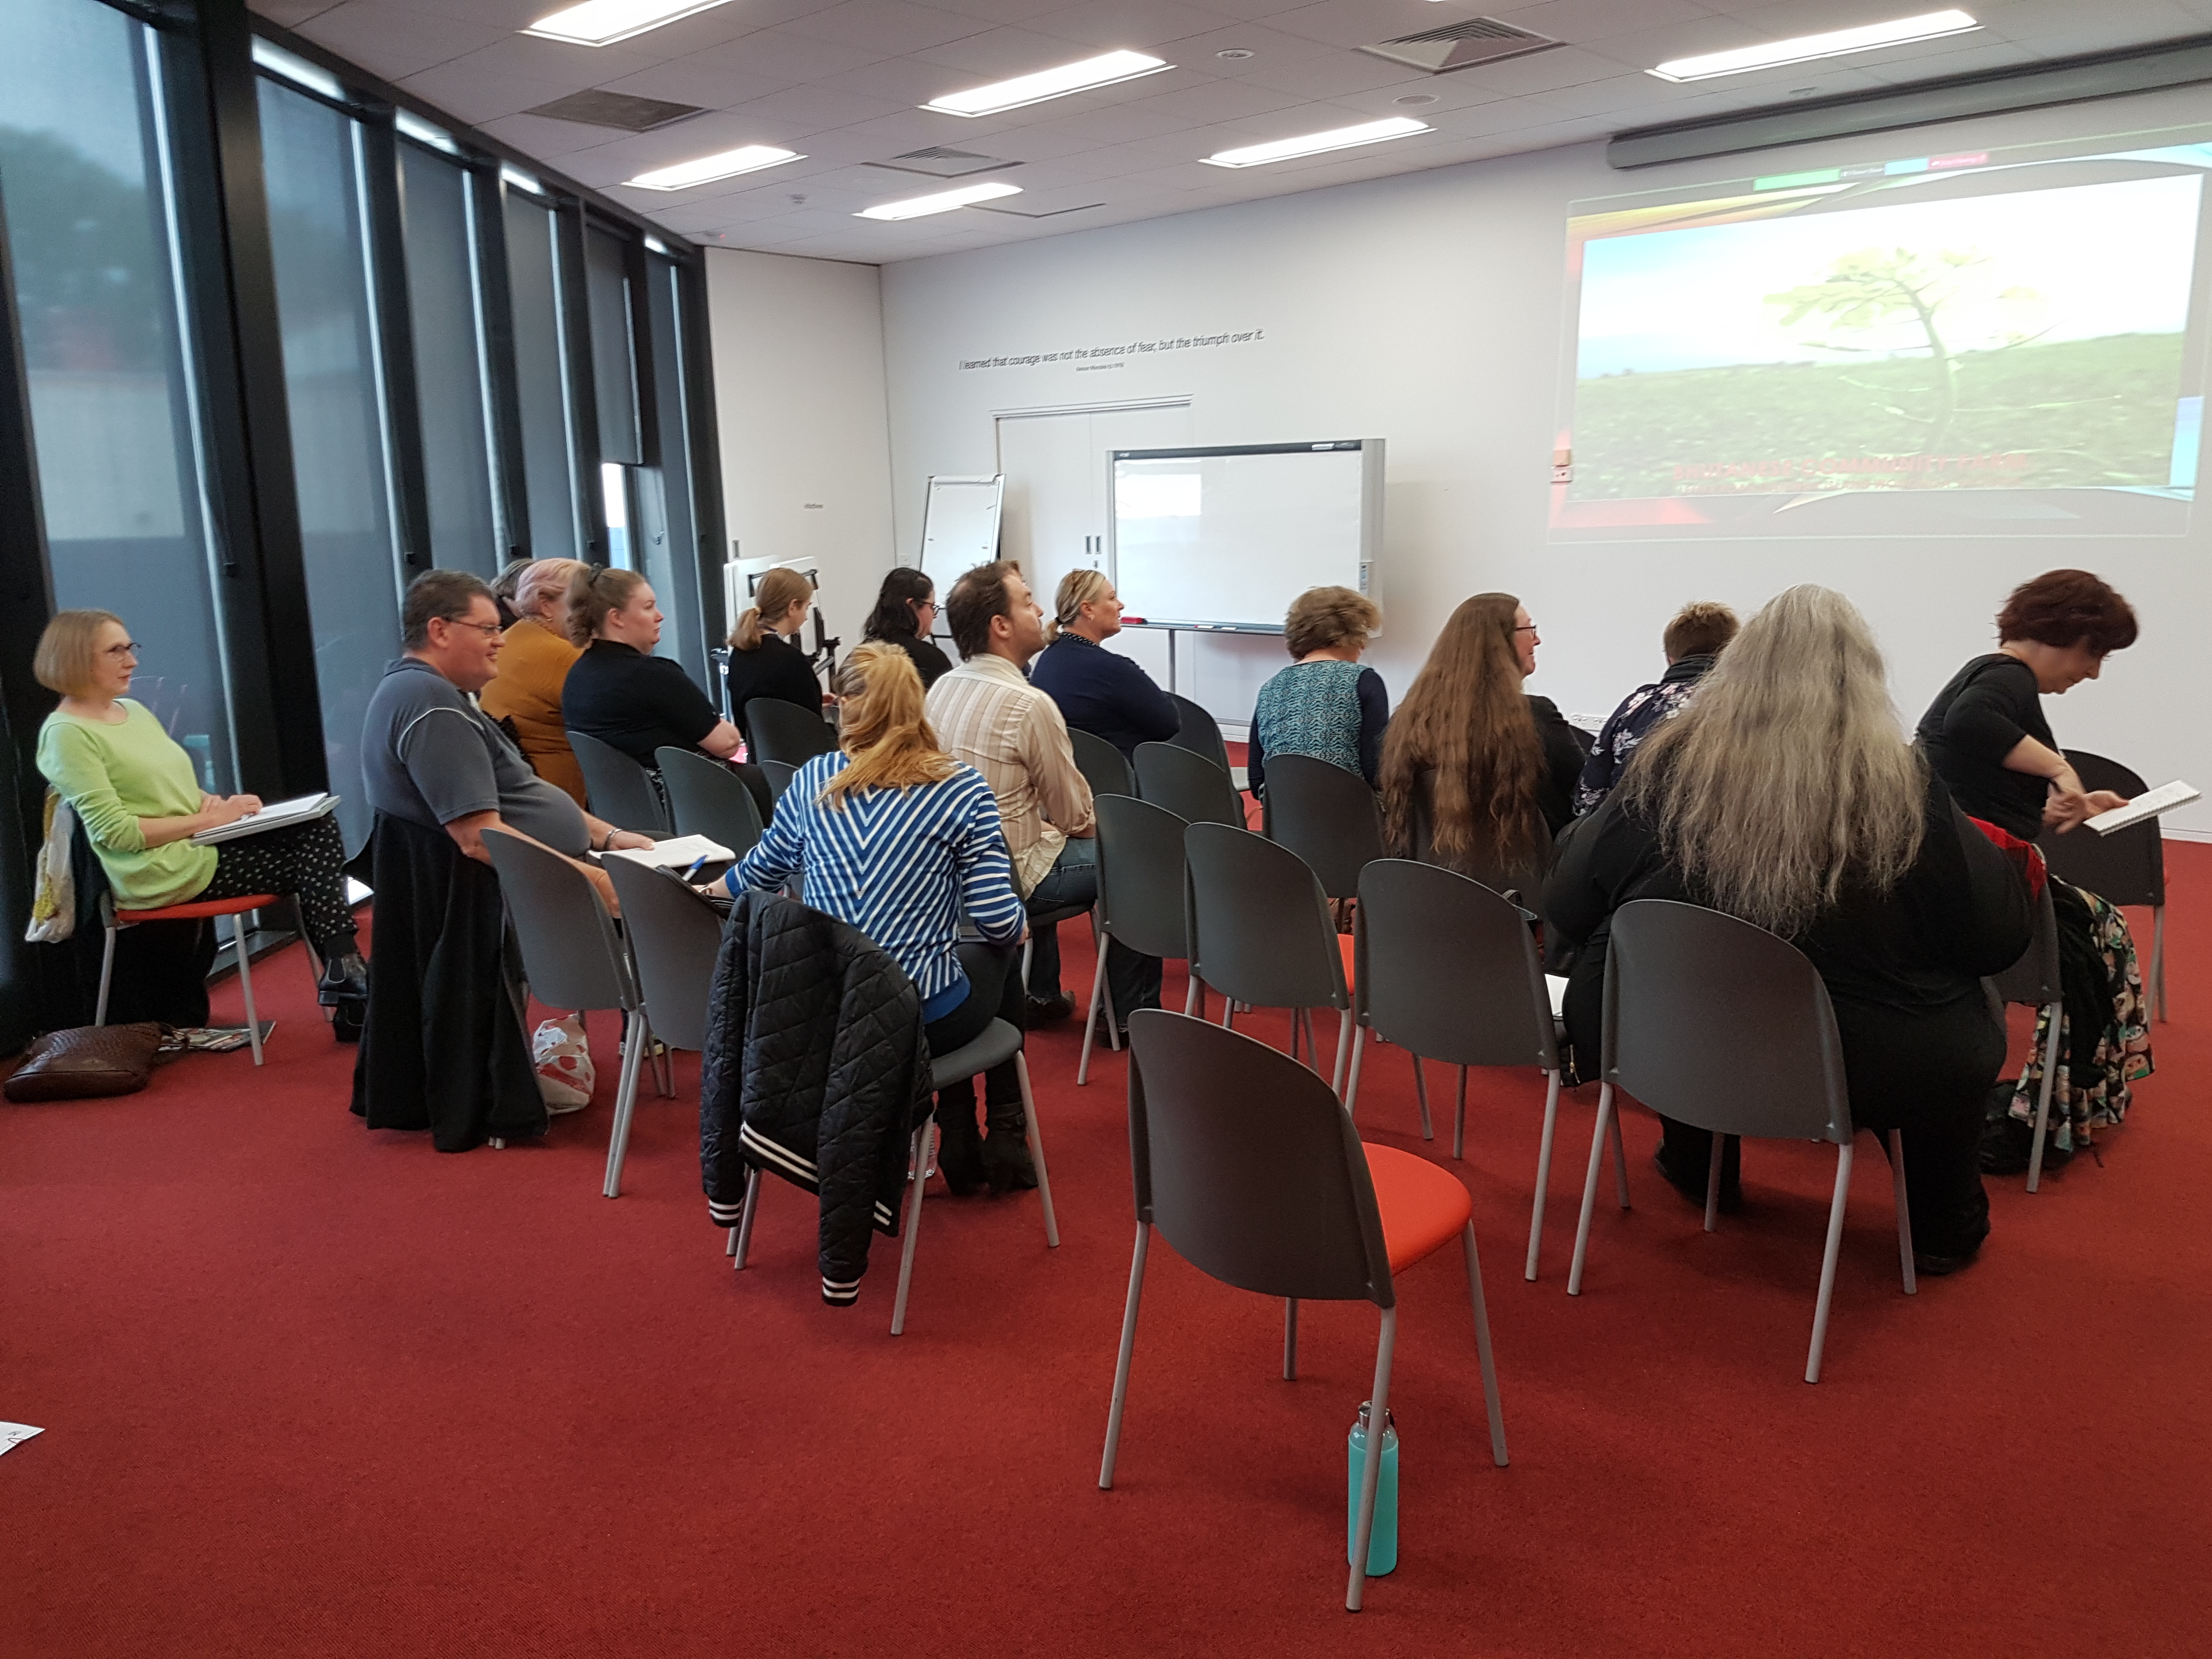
{"points": [[117, 652]]}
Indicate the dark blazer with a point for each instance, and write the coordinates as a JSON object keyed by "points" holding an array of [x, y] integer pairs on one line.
{"points": [[1105, 694]]}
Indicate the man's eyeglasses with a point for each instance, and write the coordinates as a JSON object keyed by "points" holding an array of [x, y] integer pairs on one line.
{"points": [[491, 630]]}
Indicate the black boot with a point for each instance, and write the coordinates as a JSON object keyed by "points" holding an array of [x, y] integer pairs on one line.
{"points": [[959, 1147], [345, 979], [1005, 1149]]}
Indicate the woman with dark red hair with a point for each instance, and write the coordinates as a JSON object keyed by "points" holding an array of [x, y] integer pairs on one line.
{"points": [[1986, 737]]}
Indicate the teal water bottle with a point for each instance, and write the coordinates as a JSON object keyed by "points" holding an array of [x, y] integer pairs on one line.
{"points": [[1383, 1537]]}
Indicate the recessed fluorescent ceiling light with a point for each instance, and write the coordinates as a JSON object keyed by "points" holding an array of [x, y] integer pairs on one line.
{"points": [[602, 23], [1367, 132], [915, 207], [1928, 27], [707, 168], [1102, 71]]}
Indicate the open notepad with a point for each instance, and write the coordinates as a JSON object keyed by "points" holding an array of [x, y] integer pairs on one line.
{"points": [[2148, 804], [278, 814], [677, 852]]}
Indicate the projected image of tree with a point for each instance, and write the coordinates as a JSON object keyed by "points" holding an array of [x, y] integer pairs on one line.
{"points": [[2021, 339]]}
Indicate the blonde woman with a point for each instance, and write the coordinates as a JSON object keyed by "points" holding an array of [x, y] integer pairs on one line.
{"points": [[763, 660], [133, 789], [898, 838], [1100, 691], [1785, 794], [533, 667], [618, 691], [1324, 704]]}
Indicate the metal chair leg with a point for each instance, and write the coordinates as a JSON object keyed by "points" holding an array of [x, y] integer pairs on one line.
{"points": [[1482, 1348], [1289, 1339], [1352, 1079], [1113, 1015], [2156, 996], [664, 1061], [1035, 1137], [1344, 1024], [743, 1247], [2055, 1014], [1828, 1262], [1589, 1188], [625, 1105], [1193, 1002], [1903, 1212], [246, 986], [1713, 1181], [106, 975], [1543, 1174], [920, 1143], [1459, 1118], [1121, 1360], [1378, 1415], [1620, 1161], [1090, 1020]]}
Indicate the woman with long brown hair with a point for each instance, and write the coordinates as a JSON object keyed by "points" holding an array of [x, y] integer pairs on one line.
{"points": [[1477, 775]]}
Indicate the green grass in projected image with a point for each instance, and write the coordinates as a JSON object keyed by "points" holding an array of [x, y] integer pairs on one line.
{"points": [[2076, 412]]}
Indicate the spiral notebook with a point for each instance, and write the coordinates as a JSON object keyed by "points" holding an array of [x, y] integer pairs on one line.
{"points": [[2148, 804], [278, 814]]}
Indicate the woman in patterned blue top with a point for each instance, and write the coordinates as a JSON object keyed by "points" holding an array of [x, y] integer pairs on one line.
{"points": [[898, 838], [1324, 704]]}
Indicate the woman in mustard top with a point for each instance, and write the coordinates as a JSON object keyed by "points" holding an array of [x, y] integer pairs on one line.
{"points": [[133, 788], [533, 667]]}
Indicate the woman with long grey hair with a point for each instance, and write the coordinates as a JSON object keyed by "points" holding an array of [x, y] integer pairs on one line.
{"points": [[1785, 794]]}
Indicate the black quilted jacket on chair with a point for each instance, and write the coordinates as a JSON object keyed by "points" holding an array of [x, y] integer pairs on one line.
{"points": [[816, 1070]]}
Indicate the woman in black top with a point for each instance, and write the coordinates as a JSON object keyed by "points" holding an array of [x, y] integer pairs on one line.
{"points": [[906, 610], [763, 662], [1785, 794], [617, 691]]}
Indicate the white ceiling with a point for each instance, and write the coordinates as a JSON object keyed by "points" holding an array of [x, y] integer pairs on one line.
{"points": [[840, 79]]}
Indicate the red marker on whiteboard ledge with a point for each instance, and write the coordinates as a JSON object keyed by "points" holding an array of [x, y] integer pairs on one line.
{"points": [[1127, 619]]}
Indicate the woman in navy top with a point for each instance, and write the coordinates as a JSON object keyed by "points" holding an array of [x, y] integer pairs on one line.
{"points": [[1100, 691]]}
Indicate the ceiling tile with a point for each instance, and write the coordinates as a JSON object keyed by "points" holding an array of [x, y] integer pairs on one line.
{"points": [[782, 56], [1000, 54], [689, 82], [1218, 100], [887, 26], [805, 109], [1140, 25], [1336, 74], [1362, 23], [392, 42], [1581, 21], [471, 94], [1562, 66]]}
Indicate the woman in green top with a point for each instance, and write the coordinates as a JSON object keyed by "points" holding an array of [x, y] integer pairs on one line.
{"points": [[133, 788]]}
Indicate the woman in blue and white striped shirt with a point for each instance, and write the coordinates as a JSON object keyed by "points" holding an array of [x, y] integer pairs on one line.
{"points": [[898, 839]]}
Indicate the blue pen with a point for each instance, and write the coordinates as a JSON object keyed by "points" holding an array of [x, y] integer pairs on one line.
{"points": [[697, 864]]}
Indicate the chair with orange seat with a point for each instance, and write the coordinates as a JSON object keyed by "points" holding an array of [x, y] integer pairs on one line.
{"points": [[1251, 1168], [114, 919]]}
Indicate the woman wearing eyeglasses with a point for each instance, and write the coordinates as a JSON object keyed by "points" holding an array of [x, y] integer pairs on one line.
{"points": [[905, 612], [133, 788]]}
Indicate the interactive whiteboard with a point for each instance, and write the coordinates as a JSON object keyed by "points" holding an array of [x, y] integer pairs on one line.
{"points": [[1226, 538]]}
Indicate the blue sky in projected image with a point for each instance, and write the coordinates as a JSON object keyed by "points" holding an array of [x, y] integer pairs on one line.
{"points": [[2095, 259]]}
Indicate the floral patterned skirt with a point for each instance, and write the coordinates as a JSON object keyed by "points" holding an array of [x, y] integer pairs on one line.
{"points": [[2080, 1102]]}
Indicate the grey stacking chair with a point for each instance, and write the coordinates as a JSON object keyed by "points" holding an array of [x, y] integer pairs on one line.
{"points": [[1719, 1024], [1260, 933], [1140, 879], [781, 731], [1329, 817], [779, 774], [1447, 970], [2126, 867], [620, 790], [1524, 884], [1254, 1175], [2034, 980], [1201, 733], [1104, 767], [575, 958], [1189, 785], [707, 798]]}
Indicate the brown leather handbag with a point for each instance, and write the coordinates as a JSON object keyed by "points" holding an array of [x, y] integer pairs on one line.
{"points": [[87, 1060]]}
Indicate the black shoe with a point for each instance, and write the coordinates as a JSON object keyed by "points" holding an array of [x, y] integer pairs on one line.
{"points": [[1044, 1011], [1937, 1266], [345, 979], [959, 1147], [1005, 1149], [1731, 1194]]}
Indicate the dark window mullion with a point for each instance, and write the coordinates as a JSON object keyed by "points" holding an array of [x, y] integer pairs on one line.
{"points": [[395, 333], [495, 303], [576, 323]]}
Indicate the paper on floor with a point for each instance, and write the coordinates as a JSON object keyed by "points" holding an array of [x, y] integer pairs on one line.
{"points": [[13, 1435]]}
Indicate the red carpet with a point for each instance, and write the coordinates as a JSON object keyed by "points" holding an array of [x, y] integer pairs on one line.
{"points": [[312, 1390]]}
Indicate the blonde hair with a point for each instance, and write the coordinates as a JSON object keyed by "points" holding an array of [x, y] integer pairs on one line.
{"points": [[1325, 617], [1077, 589], [886, 737], [64, 659], [598, 589], [544, 578], [779, 590], [1788, 772]]}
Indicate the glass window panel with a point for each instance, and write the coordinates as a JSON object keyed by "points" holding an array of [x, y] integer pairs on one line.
{"points": [[614, 375], [666, 530], [541, 373], [614, 496], [88, 227], [311, 161], [449, 382]]}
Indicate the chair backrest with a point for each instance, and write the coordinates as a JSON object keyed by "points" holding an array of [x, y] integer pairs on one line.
{"points": [[1247, 1164], [779, 774], [1720, 1025], [782, 731], [1189, 785], [1259, 925], [1328, 816], [2034, 978], [620, 790], [2126, 867], [1201, 733], [570, 951], [1140, 875], [1447, 969], [674, 936], [1104, 767], [1525, 882], [710, 799]]}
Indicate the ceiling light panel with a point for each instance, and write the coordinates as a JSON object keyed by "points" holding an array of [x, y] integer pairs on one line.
{"points": [[602, 23], [1314, 143], [727, 164], [917, 207], [1931, 25], [1105, 70]]}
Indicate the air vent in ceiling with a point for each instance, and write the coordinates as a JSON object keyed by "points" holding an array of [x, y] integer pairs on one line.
{"points": [[939, 162], [1461, 45], [616, 109]]}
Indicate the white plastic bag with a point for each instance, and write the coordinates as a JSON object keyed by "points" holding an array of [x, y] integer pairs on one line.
{"points": [[53, 900], [565, 1074]]}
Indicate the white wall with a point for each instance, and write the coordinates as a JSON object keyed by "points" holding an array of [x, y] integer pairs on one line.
{"points": [[1427, 309], [798, 395]]}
